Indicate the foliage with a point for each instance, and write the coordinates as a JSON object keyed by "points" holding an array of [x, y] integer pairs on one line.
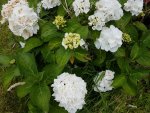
{"points": [[43, 58]]}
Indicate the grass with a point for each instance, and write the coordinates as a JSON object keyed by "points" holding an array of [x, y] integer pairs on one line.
{"points": [[112, 102]]}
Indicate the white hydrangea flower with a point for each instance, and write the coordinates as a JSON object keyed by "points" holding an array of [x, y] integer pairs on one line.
{"points": [[81, 6], [110, 39], [39, 7], [69, 91], [104, 81], [7, 9], [48, 4], [23, 21], [97, 21], [72, 41], [134, 6], [111, 8]]}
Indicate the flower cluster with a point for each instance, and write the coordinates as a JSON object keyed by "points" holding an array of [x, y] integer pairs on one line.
{"points": [[110, 39], [69, 91], [59, 21], [107, 10], [104, 81], [48, 4], [72, 41], [134, 6], [81, 6], [7, 9], [23, 21]]}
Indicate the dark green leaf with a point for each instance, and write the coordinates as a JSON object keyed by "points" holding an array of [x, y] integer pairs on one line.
{"points": [[119, 81], [122, 23], [62, 56], [27, 64], [120, 52], [40, 96], [32, 43], [140, 26], [49, 31], [135, 51]]}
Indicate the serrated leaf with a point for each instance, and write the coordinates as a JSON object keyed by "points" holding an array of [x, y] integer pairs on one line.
{"points": [[122, 23], [62, 56], [120, 52], [49, 31], [132, 31], [40, 96], [146, 40], [140, 26], [27, 65], [119, 81], [82, 56], [144, 58], [32, 43], [135, 51]]}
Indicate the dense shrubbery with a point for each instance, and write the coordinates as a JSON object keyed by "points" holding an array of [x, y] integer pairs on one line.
{"points": [[75, 50]]}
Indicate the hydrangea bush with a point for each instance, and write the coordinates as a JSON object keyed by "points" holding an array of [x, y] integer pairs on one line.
{"points": [[60, 39]]}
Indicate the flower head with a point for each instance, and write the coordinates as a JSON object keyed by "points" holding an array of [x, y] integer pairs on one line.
{"points": [[48, 4], [59, 21], [7, 9], [23, 21], [97, 21], [111, 8], [72, 41], [104, 81], [134, 6], [81, 6], [110, 39], [69, 91]]}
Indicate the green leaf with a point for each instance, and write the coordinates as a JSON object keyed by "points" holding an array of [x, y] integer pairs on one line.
{"points": [[62, 56], [49, 32], [122, 23], [132, 31], [33, 3], [9, 75], [140, 26], [40, 96], [146, 40], [144, 58], [27, 65], [122, 1], [23, 90], [69, 2], [130, 88], [135, 51], [55, 43], [119, 81], [99, 58], [61, 11], [75, 27], [51, 72], [57, 109], [82, 56], [124, 65], [120, 52], [32, 43], [5, 60], [48, 55]]}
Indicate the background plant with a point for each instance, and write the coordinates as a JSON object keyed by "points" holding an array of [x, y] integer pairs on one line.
{"points": [[44, 58]]}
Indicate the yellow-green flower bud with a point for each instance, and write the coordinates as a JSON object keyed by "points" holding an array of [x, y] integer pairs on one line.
{"points": [[59, 21], [126, 38]]}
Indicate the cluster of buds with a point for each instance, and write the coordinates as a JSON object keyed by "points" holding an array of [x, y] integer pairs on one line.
{"points": [[72, 41], [59, 21]]}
